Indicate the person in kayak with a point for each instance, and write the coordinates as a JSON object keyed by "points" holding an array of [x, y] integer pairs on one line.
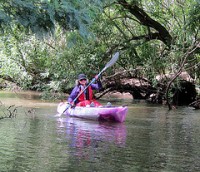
{"points": [[85, 98]]}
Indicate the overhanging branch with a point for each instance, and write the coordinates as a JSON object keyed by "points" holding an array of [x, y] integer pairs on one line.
{"points": [[146, 20]]}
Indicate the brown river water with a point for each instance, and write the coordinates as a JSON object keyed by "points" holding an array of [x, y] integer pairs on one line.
{"points": [[151, 138]]}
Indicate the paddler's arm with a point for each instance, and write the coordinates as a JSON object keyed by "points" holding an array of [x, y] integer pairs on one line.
{"points": [[97, 85], [73, 95]]}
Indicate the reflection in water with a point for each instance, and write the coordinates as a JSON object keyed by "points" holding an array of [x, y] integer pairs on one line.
{"points": [[86, 136]]}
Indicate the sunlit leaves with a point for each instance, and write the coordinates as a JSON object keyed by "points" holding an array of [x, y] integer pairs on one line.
{"points": [[41, 16]]}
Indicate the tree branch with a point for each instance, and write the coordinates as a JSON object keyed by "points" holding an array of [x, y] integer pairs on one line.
{"points": [[146, 20]]}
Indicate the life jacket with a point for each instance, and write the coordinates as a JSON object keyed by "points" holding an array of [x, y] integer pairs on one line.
{"points": [[86, 95]]}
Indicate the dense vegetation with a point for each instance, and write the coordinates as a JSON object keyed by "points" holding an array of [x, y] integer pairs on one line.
{"points": [[46, 43]]}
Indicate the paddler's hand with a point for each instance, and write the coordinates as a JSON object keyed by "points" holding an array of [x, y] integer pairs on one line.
{"points": [[96, 77], [72, 104]]}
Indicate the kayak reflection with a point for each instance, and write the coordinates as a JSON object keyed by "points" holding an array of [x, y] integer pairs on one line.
{"points": [[84, 133]]}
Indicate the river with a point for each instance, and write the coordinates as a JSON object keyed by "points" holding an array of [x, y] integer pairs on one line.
{"points": [[151, 139]]}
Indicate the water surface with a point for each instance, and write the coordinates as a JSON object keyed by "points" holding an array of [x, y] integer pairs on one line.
{"points": [[151, 139]]}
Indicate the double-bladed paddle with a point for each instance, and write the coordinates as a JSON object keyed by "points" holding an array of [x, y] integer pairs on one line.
{"points": [[109, 64]]}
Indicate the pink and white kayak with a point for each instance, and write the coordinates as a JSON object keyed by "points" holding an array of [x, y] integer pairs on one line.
{"points": [[113, 113]]}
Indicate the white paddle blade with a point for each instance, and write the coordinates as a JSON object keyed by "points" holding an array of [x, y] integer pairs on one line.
{"points": [[58, 115], [62, 107], [113, 60]]}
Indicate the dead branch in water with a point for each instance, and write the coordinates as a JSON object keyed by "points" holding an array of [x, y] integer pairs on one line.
{"points": [[10, 112], [195, 104]]}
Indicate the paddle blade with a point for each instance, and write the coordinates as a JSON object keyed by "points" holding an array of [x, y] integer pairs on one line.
{"points": [[112, 61], [62, 107]]}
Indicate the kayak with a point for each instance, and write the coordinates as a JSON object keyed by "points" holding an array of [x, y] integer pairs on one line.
{"points": [[108, 113]]}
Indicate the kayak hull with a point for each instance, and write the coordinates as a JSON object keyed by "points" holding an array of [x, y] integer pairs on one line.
{"points": [[117, 113]]}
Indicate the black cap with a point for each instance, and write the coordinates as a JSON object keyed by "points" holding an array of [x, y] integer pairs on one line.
{"points": [[81, 76]]}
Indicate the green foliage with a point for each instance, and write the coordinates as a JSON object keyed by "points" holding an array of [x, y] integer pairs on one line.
{"points": [[53, 63], [194, 17], [42, 16]]}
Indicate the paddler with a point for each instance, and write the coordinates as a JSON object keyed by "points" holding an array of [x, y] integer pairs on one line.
{"points": [[86, 97]]}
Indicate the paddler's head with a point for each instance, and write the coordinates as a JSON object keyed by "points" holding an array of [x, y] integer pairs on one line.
{"points": [[82, 79]]}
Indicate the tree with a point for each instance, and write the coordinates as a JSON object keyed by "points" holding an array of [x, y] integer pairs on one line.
{"points": [[155, 49], [154, 38]]}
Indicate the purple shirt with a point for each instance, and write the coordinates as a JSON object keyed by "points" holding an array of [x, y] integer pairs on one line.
{"points": [[76, 91]]}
